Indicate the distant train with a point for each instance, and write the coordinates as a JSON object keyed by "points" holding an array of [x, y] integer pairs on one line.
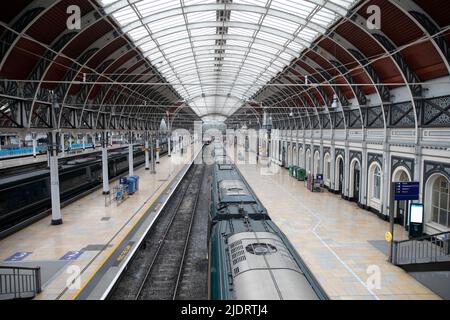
{"points": [[25, 192], [250, 257]]}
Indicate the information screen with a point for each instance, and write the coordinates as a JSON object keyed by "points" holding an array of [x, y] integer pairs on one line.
{"points": [[416, 213]]}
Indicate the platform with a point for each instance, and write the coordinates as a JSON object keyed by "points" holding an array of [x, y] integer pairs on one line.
{"points": [[91, 233], [7, 162], [339, 242]]}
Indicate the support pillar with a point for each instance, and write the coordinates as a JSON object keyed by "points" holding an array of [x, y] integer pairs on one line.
{"points": [[418, 175], [130, 156], [346, 170], [147, 153], [169, 137], [364, 177], [84, 142], [157, 150], [333, 167], [63, 149], [321, 162], [105, 163], [34, 136], [386, 180], [152, 155], [54, 179], [93, 141]]}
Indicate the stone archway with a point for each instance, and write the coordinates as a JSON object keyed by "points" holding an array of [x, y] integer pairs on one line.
{"points": [[355, 180], [339, 174], [375, 190], [401, 208], [308, 161], [316, 169]]}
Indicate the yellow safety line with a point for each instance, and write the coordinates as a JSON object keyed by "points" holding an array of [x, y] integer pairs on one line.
{"points": [[115, 248]]}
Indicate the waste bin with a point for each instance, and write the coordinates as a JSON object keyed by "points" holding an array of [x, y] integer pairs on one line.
{"points": [[294, 172], [136, 182], [130, 182], [131, 185], [301, 174], [291, 171]]}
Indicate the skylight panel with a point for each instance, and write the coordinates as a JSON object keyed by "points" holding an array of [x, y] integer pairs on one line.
{"points": [[250, 46], [247, 17], [277, 23]]}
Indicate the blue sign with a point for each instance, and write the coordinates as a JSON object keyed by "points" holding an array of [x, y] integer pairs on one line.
{"points": [[18, 256], [406, 191], [71, 255]]}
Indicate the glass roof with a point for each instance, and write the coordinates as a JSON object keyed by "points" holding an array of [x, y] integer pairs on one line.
{"points": [[218, 53]]}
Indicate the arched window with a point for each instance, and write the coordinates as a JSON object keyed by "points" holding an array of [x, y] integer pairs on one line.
{"points": [[316, 168], [327, 165], [308, 161], [440, 202], [376, 191]]}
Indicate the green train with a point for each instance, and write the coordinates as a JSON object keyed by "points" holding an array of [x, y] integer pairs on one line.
{"points": [[249, 256]]}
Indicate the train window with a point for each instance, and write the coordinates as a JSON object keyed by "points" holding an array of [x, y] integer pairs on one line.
{"points": [[233, 188], [260, 248], [225, 167]]}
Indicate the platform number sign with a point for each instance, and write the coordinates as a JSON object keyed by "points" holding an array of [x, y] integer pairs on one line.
{"points": [[18, 256], [71, 255]]}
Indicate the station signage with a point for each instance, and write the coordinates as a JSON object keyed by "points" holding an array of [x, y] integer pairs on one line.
{"points": [[405, 191]]}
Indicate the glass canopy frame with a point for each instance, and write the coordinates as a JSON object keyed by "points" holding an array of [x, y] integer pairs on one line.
{"points": [[218, 53]]}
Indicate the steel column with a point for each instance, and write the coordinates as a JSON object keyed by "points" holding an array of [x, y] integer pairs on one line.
{"points": [[105, 163]]}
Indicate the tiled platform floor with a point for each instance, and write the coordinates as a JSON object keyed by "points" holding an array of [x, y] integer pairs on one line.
{"points": [[331, 235], [86, 222]]}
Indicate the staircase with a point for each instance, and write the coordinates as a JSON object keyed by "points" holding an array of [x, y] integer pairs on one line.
{"points": [[427, 253], [19, 282]]}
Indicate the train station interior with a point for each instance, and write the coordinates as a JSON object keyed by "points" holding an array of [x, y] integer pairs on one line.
{"points": [[225, 150]]}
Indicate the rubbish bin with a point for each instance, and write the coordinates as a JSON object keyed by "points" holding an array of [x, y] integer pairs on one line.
{"points": [[294, 172], [301, 174], [136, 182], [132, 184]]}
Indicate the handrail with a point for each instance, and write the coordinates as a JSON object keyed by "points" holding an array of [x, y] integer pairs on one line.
{"points": [[21, 268], [422, 250], [19, 282], [425, 237]]}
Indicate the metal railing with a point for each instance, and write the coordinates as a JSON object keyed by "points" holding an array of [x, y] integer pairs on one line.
{"points": [[19, 282], [427, 249]]}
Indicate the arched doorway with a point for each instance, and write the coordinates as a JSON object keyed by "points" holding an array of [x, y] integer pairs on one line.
{"points": [[290, 154], [280, 151], [308, 161], [316, 168], [375, 186], [295, 156], [301, 161], [355, 180], [339, 176], [401, 208], [283, 157], [327, 170], [437, 200]]}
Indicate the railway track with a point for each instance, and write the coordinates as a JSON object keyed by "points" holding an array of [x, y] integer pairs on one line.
{"points": [[163, 264]]}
